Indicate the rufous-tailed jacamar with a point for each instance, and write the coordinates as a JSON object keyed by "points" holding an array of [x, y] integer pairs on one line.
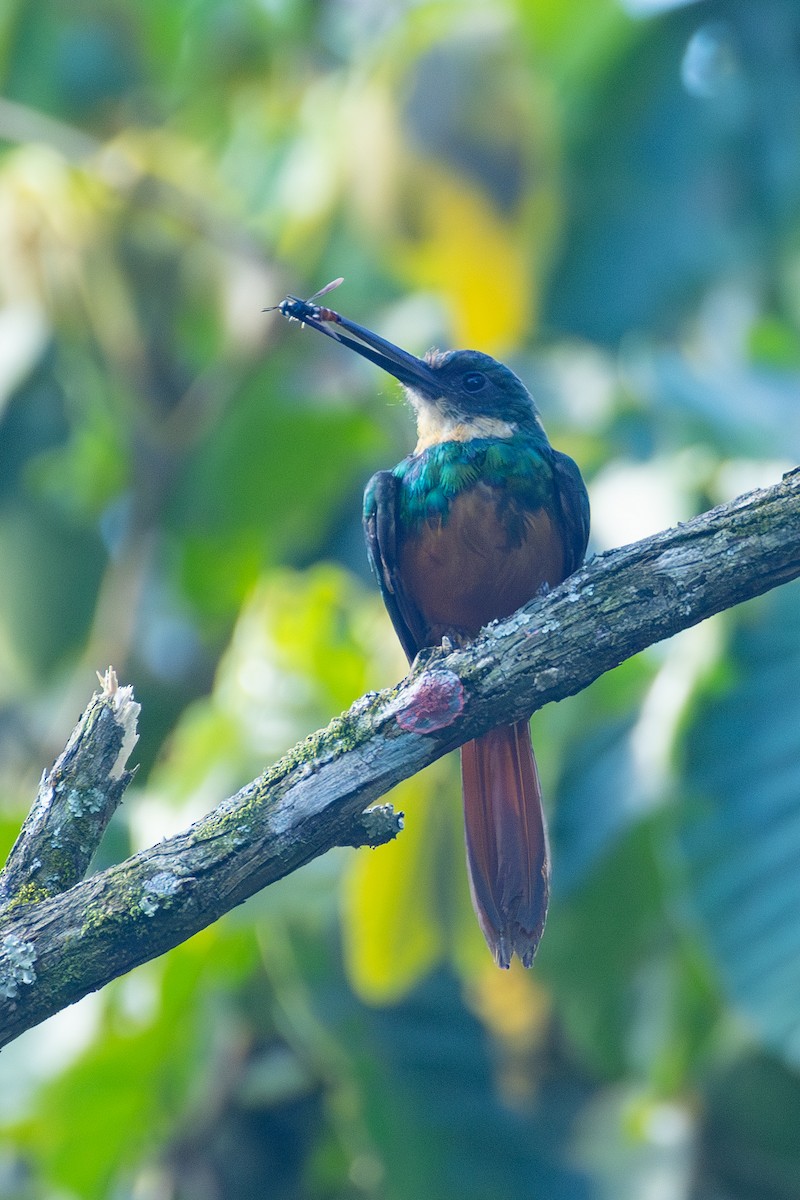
{"points": [[482, 516]]}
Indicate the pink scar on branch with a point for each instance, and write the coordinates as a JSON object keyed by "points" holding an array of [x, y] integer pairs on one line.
{"points": [[432, 703]]}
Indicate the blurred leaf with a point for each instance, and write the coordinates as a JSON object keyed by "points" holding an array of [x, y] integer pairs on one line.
{"points": [[90, 469], [636, 1144], [33, 423], [492, 301], [738, 824], [460, 185], [580, 42], [749, 1135], [116, 1105], [776, 344], [599, 790], [47, 588], [117, 1098], [662, 188], [267, 484], [303, 649], [393, 932], [426, 1068], [320, 623], [598, 940]]}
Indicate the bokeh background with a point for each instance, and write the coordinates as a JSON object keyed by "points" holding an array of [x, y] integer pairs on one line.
{"points": [[606, 193]]}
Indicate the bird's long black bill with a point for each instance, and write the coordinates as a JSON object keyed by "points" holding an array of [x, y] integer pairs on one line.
{"points": [[412, 371]]}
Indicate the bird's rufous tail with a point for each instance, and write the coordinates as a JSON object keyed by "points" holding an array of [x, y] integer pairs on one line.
{"points": [[507, 854]]}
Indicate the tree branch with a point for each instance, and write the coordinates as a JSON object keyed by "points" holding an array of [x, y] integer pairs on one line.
{"points": [[75, 801], [56, 950]]}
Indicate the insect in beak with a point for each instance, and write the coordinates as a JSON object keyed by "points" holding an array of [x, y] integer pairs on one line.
{"points": [[412, 371]]}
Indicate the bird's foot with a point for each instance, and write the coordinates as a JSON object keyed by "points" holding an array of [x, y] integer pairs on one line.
{"points": [[455, 639], [423, 657], [450, 641]]}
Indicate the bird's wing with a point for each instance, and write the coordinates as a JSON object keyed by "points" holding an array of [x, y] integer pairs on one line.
{"points": [[381, 500], [574, 501]]}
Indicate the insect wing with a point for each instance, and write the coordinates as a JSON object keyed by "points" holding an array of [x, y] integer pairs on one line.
{"points": [[334, 283]]}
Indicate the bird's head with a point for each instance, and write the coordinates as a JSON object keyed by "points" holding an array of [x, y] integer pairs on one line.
{"points": [[453, 389], [467, 385]]}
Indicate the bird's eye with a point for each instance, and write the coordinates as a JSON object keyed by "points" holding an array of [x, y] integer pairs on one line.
{"points": [[473, 381]]}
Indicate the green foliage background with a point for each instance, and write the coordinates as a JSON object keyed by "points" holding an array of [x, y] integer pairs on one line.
{"points": [[607, 195]]}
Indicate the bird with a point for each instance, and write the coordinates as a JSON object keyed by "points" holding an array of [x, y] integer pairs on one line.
{"points": [[482, 516]]}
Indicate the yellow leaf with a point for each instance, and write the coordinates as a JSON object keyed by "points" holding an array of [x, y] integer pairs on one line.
{"points": [[478, 260], [459, 182], [392, 920]]}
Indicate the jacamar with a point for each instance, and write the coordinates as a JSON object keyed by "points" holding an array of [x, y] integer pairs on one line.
{"points": [[481, 517]]}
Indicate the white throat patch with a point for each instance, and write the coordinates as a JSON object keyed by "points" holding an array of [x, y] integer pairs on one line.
{"points": [[433, 427]]}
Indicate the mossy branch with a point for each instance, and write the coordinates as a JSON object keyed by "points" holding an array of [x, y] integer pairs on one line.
{"points": [[54, 950], [75, 801]]}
